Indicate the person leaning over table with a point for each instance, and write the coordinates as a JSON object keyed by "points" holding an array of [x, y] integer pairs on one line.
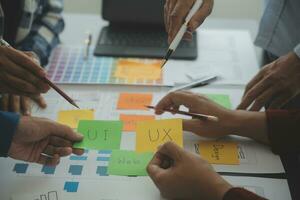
{"points": [[183, 175], [35, 139], [31, 26], [278, 82]]}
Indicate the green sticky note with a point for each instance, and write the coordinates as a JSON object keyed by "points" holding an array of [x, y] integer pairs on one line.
{"points": [[99, 134], [222, 99], [128, 163]]}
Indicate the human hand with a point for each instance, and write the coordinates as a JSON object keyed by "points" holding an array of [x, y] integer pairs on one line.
{"points": [[20, 74], [279, 80], [175, 12], [179, 174], [43, 141], [199, 104], [20, 104]]}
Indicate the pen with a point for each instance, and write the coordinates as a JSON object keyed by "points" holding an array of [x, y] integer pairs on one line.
{"points": [[195, 115], [45, 79], [198, 83], [181, 31], [88, 43]]}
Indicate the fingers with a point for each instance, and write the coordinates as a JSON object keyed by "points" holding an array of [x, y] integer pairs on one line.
{"points": [[280, 101], [201, 15], [171, 150], [65, 132], [48, 160], [193, 125], [60, 151], [60, 142], [26, 106], [5, 102], [257, 78], [175, 100], [18, 71], [23, 60], [14, 102], [177, 17], [253, 93], [18, 83], [40, 101], [262, 100]]}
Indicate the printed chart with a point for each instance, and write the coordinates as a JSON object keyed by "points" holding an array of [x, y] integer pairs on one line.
{"points": [[69, 65]]}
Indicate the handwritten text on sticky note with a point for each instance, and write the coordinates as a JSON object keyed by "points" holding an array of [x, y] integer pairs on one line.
{"points": [[128, 163], [100, 134], [151, 134], [225, 153], [72, 117], [134, 101], [131, 120]]}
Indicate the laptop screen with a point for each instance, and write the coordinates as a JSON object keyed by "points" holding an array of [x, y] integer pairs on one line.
{"points": [[146, 12]]}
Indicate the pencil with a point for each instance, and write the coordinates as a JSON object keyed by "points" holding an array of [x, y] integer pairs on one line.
{"points": [[59, 91], [195, 115]]}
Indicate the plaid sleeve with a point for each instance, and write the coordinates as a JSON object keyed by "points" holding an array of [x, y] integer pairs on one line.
{"points": [[45, 30]]}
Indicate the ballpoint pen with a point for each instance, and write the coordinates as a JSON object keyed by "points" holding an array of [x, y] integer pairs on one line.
{"points": [[201, 82], [194, 115], [181, 31], [45, 79]]}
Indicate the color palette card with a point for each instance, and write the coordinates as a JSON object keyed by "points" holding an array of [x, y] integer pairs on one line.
{"points": [[68, 64]]}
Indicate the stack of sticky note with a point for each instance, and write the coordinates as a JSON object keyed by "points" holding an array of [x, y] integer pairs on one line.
{"points": [[150, 134]]}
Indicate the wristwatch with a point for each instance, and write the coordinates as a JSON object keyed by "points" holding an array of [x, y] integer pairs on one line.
{"points": [[297, 50]]}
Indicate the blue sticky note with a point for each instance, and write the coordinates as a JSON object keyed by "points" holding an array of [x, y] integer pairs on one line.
{"points": [[71, 186], [75, 169], [20, 168]]}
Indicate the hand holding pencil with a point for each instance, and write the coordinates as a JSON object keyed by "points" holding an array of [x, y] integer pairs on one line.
{"points": [[209, 120]]}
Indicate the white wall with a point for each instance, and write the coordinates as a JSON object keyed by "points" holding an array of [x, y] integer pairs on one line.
{"points": [[249, 9]]}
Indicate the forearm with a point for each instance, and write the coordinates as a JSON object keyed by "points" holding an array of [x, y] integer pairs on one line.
{"points": [[241, 194], [249, 124]]}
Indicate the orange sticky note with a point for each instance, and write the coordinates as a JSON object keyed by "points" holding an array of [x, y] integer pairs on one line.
{"points": [[72, 117], [151, 134], [225, 153], [138, 69], [131, 120], [134, 101]]}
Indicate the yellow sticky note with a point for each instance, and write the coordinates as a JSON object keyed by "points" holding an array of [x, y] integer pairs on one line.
{"points": [[131, 120], [225, 153], [151, 134], [138, 69], [134, 101], [72, 117]]}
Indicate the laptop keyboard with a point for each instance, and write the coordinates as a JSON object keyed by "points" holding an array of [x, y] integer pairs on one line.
{"points": [[137, 38]]}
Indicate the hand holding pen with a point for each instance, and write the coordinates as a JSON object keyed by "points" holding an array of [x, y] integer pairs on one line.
{"points": [[21, 75], [175, 12], [215, 120]]}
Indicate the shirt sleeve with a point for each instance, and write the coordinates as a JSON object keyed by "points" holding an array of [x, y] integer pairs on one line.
{"points": [[241, 194], [283, 130], [44, 34], [8, 125], [297, 50]]}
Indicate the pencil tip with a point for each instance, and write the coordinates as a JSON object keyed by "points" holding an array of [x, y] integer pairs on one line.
{"points": [[74, 104], [164, 63]]}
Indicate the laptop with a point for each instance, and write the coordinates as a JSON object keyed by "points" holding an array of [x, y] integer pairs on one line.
{"points": [[136, 29]]}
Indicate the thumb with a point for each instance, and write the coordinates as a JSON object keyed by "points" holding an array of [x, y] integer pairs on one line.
{"points": [[171, 150], [65, 132]]}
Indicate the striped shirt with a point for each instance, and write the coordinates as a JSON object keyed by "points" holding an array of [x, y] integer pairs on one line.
{"points": [[40, 24]]}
